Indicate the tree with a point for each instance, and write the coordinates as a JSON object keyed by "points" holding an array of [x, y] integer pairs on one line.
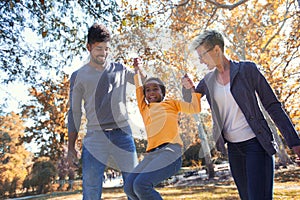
{"points": [[191, 155], [44, 36], [48, 111], [258, 33], [42, 174], [158, 31], [14, 158], [62, 168], [278, 68]]}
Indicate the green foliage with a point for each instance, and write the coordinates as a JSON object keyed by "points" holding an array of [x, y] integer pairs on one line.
{"points": [[39, 36]]}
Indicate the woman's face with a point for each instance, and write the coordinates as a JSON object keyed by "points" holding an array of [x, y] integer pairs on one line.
{"points": [[153, 92], [207, 56]]}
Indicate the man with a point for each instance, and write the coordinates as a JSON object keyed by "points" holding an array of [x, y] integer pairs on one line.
{"points": [[101, 84]]}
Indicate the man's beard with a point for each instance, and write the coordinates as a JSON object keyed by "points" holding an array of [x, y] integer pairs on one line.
{"points": [[98, 61]]}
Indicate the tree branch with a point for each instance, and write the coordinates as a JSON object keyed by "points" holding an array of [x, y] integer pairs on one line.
{"points": [[183, 3], [227, 6], [279, 29]]}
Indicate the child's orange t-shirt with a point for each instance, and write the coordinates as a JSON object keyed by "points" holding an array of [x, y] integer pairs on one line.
{"points": [[161, 118]]}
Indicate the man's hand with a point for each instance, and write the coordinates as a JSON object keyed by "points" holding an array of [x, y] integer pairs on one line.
{"points": [[72, 158], [187, 82], [137, 64]]}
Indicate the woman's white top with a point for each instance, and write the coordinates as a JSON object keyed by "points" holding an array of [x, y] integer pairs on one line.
{"points": [[235, 127]]}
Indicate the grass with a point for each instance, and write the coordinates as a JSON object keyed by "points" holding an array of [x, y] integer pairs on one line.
{"points": [[200, 192], [287, 187]]}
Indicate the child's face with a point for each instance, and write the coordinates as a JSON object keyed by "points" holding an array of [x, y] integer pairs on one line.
{"points": [[153, 92]]}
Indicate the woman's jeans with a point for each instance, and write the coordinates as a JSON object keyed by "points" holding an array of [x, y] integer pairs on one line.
{"points": [[98, 147], [153, 169], [252, 169]]}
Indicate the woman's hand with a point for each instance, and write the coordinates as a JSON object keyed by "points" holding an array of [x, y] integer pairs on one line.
{"points": [[187, 82]]}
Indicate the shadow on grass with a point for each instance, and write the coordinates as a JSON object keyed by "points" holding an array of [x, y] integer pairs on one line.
{"points": [[200, 192], [286, 175]]}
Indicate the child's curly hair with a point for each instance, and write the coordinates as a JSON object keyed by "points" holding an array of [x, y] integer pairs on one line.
{"points": [[161, 85]]}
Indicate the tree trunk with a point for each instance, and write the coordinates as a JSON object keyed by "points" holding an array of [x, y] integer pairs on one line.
{"points": [[204, 152]]}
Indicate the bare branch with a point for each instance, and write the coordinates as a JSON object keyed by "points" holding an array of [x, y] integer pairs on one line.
{"points": [[183, 3], [279, 29], [227, 6]]}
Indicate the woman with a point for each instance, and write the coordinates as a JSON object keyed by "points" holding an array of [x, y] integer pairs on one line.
{"points": [[231, 89]]}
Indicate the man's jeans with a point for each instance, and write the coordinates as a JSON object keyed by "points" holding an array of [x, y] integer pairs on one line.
{"points": [[98, 147], [252, 169], [153, 169]]}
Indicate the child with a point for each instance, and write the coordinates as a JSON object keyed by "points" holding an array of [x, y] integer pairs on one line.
{"points": [[163, 157]]}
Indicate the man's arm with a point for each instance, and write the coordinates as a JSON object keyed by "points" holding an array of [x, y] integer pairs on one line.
{"points": [[74, 120]]}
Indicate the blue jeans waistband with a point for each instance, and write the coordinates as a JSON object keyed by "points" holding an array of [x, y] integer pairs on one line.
{"points": [[158, 147]]}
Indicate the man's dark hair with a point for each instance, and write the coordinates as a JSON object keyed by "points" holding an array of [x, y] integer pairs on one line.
{"points": [[98, 33], [161, 85]]}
